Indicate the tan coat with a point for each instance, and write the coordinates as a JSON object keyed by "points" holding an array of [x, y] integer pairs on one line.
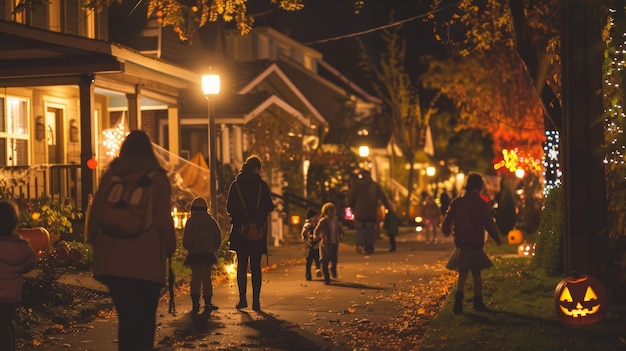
{"points": [[143, 257]]}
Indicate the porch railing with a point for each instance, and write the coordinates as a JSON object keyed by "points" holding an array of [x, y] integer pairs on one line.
{"points": [[55, 182]]}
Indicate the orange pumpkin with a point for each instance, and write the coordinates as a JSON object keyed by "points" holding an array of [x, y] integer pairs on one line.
{"points": [[74, 255], [580, 300], [515, 237], [38, 238]]}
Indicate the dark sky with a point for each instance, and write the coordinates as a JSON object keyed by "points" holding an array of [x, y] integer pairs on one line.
{"points": [[324, 19]]}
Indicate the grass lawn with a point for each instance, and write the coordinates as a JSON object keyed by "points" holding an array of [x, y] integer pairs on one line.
{"points": [[523, 314]]}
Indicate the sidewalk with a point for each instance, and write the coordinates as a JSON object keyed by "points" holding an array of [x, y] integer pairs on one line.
{"points": [[294, 311]]}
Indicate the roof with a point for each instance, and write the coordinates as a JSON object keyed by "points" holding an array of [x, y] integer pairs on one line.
{"points": [[34, 56]]}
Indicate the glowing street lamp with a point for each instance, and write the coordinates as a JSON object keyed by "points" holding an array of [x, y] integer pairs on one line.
{"points": [[364, 151], [211, 87]]}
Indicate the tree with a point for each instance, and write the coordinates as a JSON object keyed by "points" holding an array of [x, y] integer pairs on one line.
{"points": [[277, 138], [186, 16], [409, 111], [531, 29], [491, 92]]}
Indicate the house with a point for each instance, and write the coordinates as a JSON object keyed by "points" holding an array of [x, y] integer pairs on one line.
{"points": [[68, 74]]}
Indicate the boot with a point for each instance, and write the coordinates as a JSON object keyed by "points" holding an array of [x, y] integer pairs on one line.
{"points": [[479, 306], [243, 303], [256, 304], [458, 302], [195, 303], [308, 275], [208, 306]]}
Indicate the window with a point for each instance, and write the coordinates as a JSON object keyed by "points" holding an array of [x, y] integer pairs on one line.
{"points": [[13, 131]]}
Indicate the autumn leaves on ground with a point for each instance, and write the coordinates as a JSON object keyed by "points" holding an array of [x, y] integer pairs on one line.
{"points": [[50, 309]]}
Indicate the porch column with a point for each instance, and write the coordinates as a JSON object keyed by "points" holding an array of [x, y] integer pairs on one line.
{"points": [[237, 146], [86, 92], [134, 109], [173, 130], [225, 132]]}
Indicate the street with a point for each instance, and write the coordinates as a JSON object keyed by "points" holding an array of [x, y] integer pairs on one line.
{"points": [[296, 314]]}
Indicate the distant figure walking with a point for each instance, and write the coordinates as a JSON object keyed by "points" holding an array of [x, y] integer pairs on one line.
{"points": [[444, 201], [249, 201], [432, 215], [16, 258], [330, 233], [392, 226], [133, 268], [312, 244], [469, 215], [202, 237], [363, 200]]}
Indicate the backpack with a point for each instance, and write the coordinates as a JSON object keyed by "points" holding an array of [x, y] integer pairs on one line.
{"points": [[126, 211], [251, 229]]}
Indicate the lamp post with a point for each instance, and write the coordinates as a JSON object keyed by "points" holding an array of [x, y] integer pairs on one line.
{"points": [[211, 87]]}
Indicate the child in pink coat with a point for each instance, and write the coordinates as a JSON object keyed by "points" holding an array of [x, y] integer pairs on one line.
{"points": [[16, 258]]}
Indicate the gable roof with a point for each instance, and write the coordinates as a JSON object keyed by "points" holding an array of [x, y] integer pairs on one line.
{"points": [[242, 108], [250, 76]]}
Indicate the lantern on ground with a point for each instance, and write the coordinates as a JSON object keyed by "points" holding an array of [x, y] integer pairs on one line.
{"points": [[295, 220], [515, 237], [580, 300]]}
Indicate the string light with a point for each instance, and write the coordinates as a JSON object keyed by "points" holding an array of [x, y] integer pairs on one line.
{"points": [[615, 116], [512, 161], [552, 168], [113, 139]]}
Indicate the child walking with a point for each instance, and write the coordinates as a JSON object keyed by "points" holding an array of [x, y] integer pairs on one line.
{"points": [[202, 237], [469, 215], [16, 258], [329, 232], [312, 247]]}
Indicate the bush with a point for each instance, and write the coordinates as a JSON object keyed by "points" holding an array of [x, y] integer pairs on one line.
{"points": [[548, 252]]}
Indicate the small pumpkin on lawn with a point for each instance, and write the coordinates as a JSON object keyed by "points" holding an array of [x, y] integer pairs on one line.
{"points": [[515, 237], [580, 300]]}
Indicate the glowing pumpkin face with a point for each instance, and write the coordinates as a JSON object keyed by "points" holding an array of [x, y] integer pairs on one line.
{"points": [[580, 300]]}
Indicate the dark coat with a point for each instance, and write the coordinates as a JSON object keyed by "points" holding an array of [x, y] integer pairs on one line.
{"points": [[249, 183]]}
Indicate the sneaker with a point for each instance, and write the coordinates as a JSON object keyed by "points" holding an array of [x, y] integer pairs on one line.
{"points": [[210, 307], [318, 273]]}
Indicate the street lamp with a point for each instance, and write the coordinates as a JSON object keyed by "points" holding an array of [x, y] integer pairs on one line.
{"points": [[211, 87]]}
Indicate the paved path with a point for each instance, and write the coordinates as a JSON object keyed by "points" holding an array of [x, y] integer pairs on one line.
{"points": [[296, 314]]}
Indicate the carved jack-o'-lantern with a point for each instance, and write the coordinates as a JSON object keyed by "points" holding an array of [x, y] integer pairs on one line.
{"points": [[526, 249], [580, 300], [515, 237]]}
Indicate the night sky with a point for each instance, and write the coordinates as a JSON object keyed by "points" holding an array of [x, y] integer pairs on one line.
{"points": [[324, 19]]}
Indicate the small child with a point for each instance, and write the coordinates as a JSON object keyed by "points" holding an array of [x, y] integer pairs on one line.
{"points": [[392, 226], [330, 233], [312, 247], [16, 258], [467, 219], [202, 237]]}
